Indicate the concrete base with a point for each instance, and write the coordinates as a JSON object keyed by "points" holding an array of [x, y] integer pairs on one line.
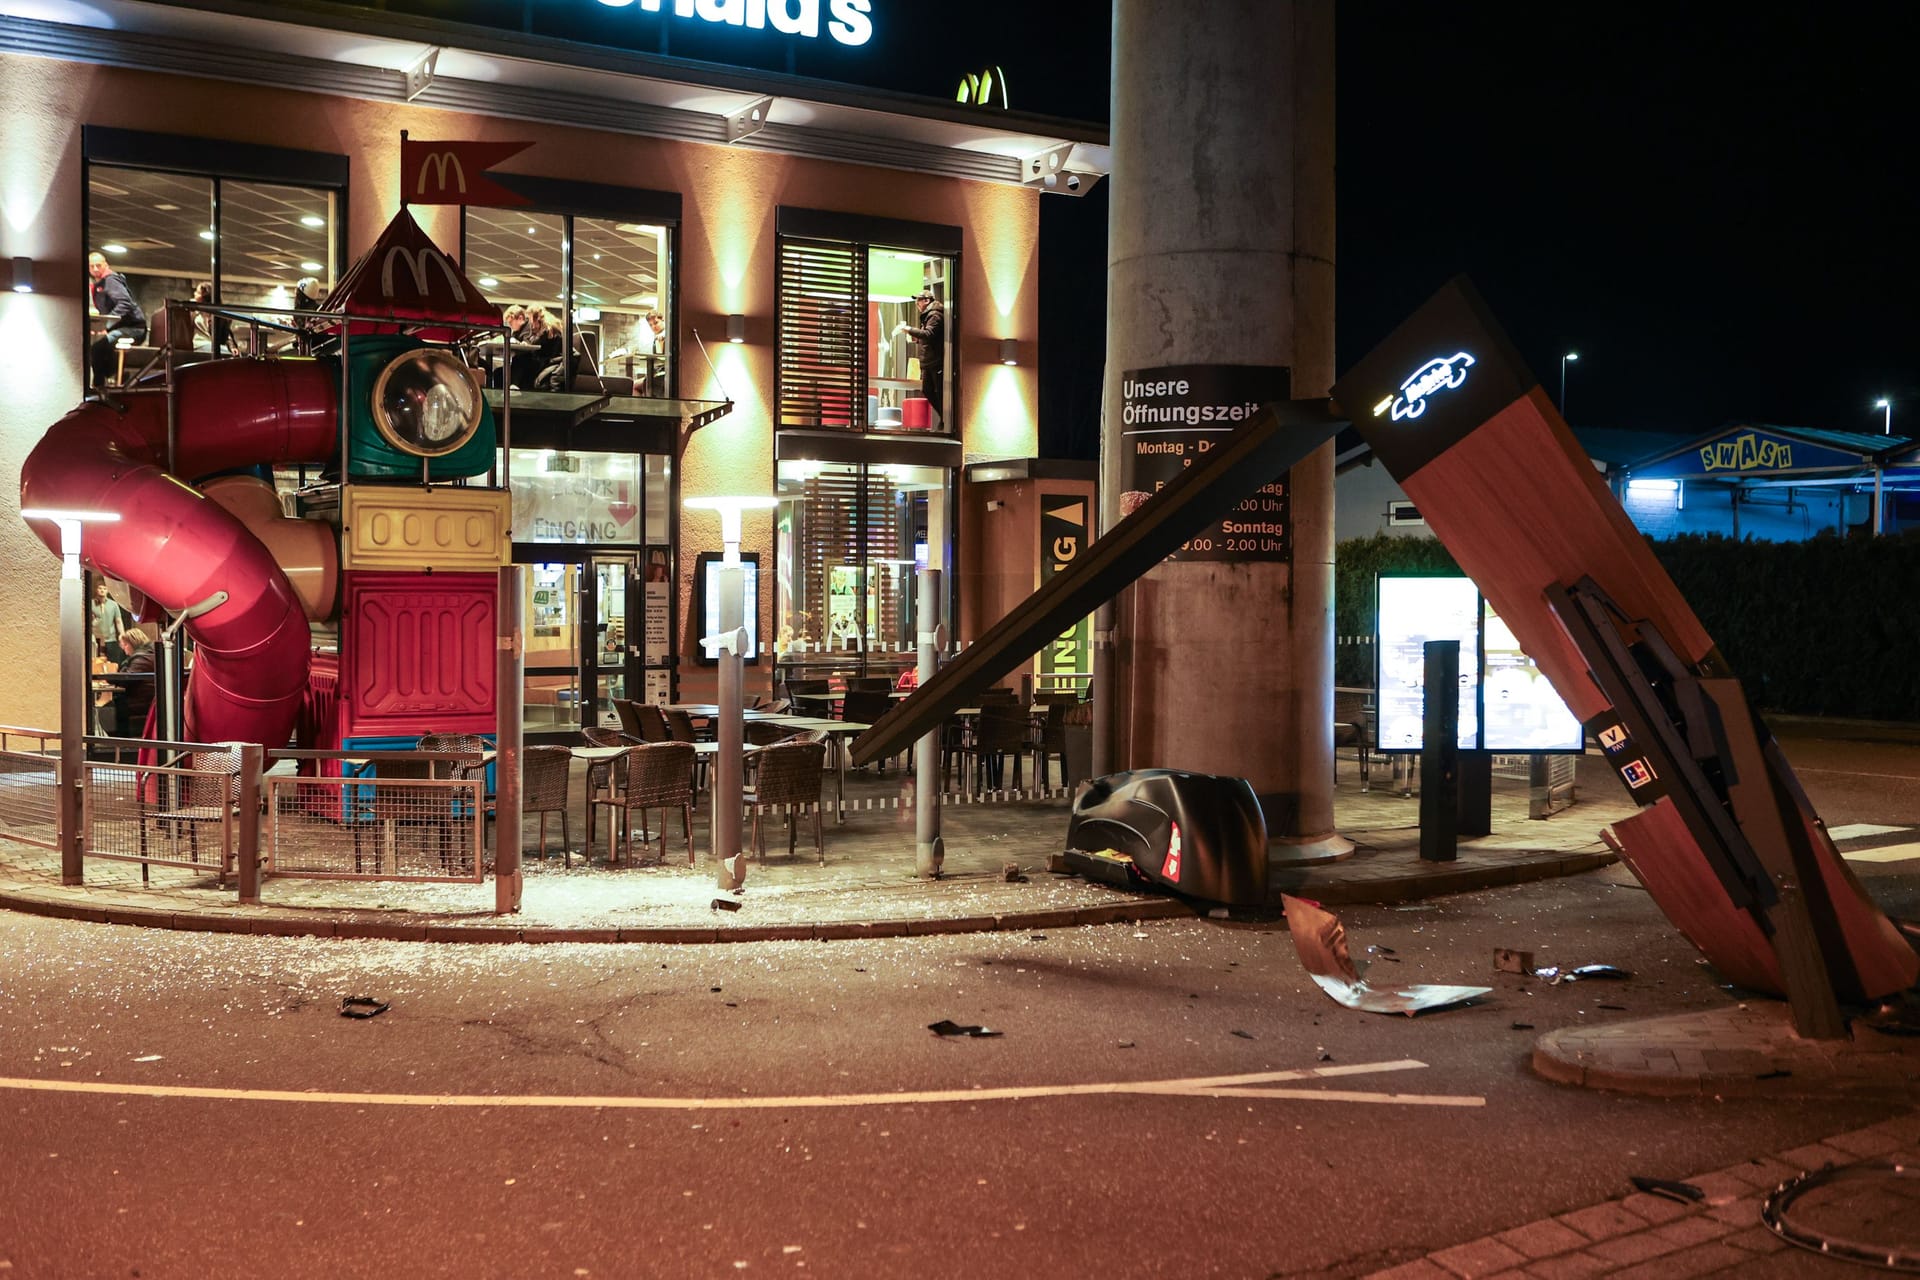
{"points": [[1748, 1051], [1287, 854]]}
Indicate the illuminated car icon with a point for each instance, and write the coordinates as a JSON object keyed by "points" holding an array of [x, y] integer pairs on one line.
{"points": [[1433, 376]]}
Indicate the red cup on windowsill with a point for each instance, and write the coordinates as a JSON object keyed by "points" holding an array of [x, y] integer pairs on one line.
{"points": [[916, 413]]}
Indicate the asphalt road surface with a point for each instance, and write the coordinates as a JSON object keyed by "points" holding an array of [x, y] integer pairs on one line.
{"points": [[1168, 1100]]}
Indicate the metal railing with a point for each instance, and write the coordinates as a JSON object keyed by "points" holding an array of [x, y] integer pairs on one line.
{"points": [[377, 815], [29, 787]]}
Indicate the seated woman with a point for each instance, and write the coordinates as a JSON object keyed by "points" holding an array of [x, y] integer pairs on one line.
{"points": [[210, 332]]}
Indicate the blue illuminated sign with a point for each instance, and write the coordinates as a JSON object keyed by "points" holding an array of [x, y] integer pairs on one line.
{"points": [[850, 21], [1433, 376]]}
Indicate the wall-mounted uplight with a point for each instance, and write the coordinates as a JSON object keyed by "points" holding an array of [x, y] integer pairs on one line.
{"points": [[736, 329], [1653, 486], [1009, 351], [23, 275]]}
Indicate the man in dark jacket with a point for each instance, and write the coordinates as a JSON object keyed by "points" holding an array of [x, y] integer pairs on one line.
{"points": [[931, 334], [126, 322]]}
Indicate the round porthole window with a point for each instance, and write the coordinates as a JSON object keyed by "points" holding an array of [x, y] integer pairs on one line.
{"points": [[427, 402]]}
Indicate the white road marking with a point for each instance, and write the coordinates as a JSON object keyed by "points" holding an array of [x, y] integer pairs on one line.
{"points": [[1242, 1086], [1854, 773], [1890, 853], [1857, 830]]}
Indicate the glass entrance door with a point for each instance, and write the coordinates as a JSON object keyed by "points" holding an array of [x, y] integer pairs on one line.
{"points": [[615, 625], [551, 700]]}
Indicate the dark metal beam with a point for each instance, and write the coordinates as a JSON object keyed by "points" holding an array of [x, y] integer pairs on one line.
{"points": [[1267, 447]]}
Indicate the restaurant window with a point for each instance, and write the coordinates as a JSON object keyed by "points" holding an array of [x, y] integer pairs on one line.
{"points": [[251, 243], [848, 291], [612, 273], [595, 530], [851, 539]]}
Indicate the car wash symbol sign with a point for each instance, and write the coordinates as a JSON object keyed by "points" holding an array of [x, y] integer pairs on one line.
{"points": [[1429, 379]]}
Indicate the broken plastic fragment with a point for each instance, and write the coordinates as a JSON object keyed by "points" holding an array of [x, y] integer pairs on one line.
{"points": [[1684, 1192], [1321, 940], [947, 1027], [362, 1007]]}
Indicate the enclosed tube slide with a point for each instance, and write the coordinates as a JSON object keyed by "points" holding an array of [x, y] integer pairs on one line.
{"points": [[176, 545]]}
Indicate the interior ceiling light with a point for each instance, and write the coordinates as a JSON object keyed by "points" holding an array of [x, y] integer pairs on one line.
{"points": [[313, 220]]}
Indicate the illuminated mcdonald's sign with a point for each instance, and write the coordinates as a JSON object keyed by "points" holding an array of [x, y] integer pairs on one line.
{"points": [[850, 22]]}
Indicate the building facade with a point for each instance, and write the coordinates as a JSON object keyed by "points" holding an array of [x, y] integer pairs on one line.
{"points": [[734, 258]]}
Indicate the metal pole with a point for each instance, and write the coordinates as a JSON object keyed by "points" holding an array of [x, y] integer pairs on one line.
{"points": [[1440, 753], [1101, 763], [509, 678], [730, 864], [1878, 501], [253, 758], [1563, 386], [76, 682], [929, 850]]}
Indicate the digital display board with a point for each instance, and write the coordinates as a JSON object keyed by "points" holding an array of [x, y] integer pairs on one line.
{"points": [[1500, 687], [706, 605]]}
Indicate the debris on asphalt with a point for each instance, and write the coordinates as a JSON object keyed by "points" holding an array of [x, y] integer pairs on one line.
{"points": [[1617, 1008], [1778, 1073], [1684, 1192], [1011, 873], [1124, 1044], [946, 1027], [1321, 941], [1244, 1035], [1523, 1026], [1557, 976], [362, 1007], [1509, 961], [152, 1057], [725, 904]]}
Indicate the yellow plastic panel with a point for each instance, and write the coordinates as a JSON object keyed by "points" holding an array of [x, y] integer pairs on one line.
{"points": [[439, 529]]}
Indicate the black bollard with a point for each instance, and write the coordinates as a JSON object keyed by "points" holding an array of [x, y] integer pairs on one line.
{"points": [[1440, 753]]}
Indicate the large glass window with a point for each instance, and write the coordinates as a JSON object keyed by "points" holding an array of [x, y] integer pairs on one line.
{"points": [[186, 237], [851, 541], [866, 337], [613, 274]]}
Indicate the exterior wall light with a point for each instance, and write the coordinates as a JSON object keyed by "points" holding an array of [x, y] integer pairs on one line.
{"points": [[736, 329], [23, 275], [1009, 351]]}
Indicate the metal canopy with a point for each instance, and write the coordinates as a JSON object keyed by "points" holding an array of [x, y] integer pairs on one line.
{"points": [[1271, 442]]}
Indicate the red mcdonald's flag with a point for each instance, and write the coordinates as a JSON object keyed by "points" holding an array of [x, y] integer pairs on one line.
{"points": [[455, 173]]}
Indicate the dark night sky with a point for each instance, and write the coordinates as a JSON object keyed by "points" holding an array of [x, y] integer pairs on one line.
{"points": [[1713, 204]]}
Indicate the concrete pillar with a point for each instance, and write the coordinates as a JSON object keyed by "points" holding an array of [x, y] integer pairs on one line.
{"points": [[1221, 253]]}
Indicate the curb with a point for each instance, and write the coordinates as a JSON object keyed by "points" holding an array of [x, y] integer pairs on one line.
{"points": [[412, 930], [1795, 1069], [69, 904]]}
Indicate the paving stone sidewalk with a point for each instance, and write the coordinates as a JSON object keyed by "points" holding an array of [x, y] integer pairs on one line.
{"points": [[1648, 1237]]}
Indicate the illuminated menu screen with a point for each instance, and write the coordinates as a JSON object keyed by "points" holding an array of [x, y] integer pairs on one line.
{"points": [[1523, 713], [1412, 612], [1500, 687]]}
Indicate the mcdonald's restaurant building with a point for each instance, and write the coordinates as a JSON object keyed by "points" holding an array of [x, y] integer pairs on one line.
{"points": [[728, 251]]}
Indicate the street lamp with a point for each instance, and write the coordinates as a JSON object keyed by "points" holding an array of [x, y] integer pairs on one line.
{"points": [[1888, 406], [76, 676], [1571, 355], [730, 870]]}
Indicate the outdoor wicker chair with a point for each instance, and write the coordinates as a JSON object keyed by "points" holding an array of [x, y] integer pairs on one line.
{"points": [[393, 801], [601, 774], [545, 773], [654, 775], [786, 775]]}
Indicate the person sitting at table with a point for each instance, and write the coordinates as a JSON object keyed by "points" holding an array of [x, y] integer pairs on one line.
{"points": [[210, 332], [544, 330], [525, 366], [126, 322], [134, 697]]}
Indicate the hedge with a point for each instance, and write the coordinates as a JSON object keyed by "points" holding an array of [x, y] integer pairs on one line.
{"points": [[1828, 626]]}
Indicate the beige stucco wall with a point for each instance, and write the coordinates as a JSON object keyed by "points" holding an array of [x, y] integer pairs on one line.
{"points": [[726, 266]]}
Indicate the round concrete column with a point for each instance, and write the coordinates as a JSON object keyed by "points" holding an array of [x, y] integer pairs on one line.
{"points": [[1222, 254]]}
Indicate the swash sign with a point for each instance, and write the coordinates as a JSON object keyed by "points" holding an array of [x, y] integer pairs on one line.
{"points": [[848, 21]]}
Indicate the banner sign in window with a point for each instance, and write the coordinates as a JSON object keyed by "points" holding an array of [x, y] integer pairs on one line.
{"points": [[1063, 537], [1171, 417]]}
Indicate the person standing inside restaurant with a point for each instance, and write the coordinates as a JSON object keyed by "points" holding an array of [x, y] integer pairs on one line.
{"points": [[126, 322], [135, 680], [931, 334], [108, 620]]}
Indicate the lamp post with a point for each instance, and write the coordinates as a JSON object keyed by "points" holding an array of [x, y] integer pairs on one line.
{"points": [[730, 865], [1571, 355], [76, 678], [1888, 406]]}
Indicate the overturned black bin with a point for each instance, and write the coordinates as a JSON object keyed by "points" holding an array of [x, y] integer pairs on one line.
{"points": [[1196, 834]]}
